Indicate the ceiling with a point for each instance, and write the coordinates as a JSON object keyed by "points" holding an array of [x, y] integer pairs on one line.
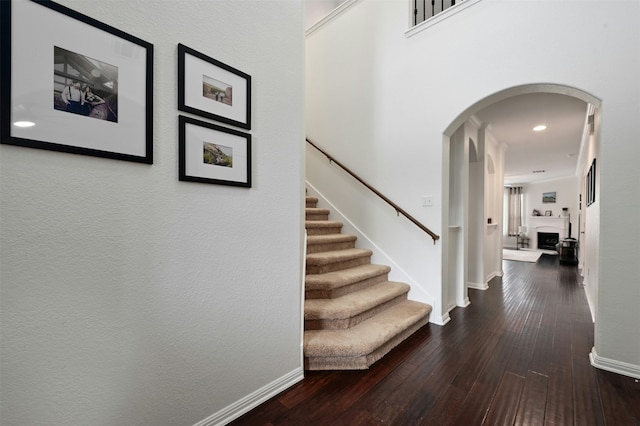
{"points": [[554, 150]]}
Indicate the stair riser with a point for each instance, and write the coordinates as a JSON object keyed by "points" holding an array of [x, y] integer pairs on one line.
{"points": [[338, 266], [316, 216], [326, 230], [320, 248], [350, 288], [311, 202], [344, 323]]}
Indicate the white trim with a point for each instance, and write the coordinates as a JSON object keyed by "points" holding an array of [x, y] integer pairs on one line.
{"points": [[335, 12], [614, 366], [493, 275], [302, 293], [251, 401], [592, 309], [476, 121], [477, 286], [440, 321], [465, 302], [447, 13]]}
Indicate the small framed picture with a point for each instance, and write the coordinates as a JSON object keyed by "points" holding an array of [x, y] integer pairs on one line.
{"points": [[213, 154], [548, 197], [213, 90], [548, 213], [73, 84]]}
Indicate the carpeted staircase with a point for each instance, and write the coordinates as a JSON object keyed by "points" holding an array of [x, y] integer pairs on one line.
{"points": [[353, 314]]}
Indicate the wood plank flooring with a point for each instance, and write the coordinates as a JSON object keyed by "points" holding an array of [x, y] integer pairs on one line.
{"points": [[518, 355]]}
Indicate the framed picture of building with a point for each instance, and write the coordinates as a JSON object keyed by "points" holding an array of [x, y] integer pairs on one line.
{"points": [[209, 153], [212, 89], [71, 83]]}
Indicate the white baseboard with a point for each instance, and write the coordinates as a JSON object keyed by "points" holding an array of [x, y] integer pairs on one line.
{"points": [[251, 401], [614, 366], [463, 303], [441, 320], [483, 286]]}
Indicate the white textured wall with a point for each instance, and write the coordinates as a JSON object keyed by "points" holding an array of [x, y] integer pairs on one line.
{"points": [[130, 298], [380, 102]]}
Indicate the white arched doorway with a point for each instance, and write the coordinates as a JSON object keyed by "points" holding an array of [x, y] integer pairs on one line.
{"points": [[473, 243]]}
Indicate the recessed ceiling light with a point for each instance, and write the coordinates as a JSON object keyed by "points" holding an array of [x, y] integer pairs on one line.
{"points": [[24, 124], [539, 128]]}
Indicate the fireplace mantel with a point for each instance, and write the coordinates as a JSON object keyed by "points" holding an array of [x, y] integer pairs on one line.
{"points": [[537, 224]]}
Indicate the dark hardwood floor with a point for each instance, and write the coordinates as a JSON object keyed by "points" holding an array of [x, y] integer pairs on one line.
{"points": [[518, 355]]}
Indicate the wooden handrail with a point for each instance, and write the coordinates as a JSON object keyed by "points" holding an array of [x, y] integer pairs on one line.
{"points": [[397, 208]]}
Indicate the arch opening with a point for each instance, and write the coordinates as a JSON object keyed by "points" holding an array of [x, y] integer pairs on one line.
{"points": [[467, 253]]}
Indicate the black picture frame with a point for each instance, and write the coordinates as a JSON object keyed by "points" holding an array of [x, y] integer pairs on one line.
{"points": [[212, 89], [591, 184], [37, 90], [214, 154]]}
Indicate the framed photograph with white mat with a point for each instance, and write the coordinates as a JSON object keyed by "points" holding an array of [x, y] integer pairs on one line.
{"points": [[213, 154], [74, 84], [212, 89]]}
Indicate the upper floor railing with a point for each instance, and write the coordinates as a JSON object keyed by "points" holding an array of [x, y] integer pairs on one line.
{"points": [[397, 208], [425, 9]]}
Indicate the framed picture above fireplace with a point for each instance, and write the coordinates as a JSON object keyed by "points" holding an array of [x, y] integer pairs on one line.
{"points": [[548, 197]]}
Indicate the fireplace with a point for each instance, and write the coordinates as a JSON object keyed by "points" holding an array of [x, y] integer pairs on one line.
{"points": [[548, 240], [545, 225]]}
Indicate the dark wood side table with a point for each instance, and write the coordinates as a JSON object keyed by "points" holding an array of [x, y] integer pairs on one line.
{"points": [[568, 251]]}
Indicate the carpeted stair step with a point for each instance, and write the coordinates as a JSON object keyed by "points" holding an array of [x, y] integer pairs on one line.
{"points": [[353, 308], [330, 261], [322, 227], [320, 243], [314, 213], [338, 283], [311, 201], [359, 347]]}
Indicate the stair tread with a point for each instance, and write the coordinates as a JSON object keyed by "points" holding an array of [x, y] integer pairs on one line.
{"points": [[327, 257], [322, 223], [353, 304], [330, 238], [317, 210], [367, 336], [331, 280]]}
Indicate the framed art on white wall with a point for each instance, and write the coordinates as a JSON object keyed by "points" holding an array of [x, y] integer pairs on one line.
{"points": [[212, 89], [213, 154], [71, 83]]}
